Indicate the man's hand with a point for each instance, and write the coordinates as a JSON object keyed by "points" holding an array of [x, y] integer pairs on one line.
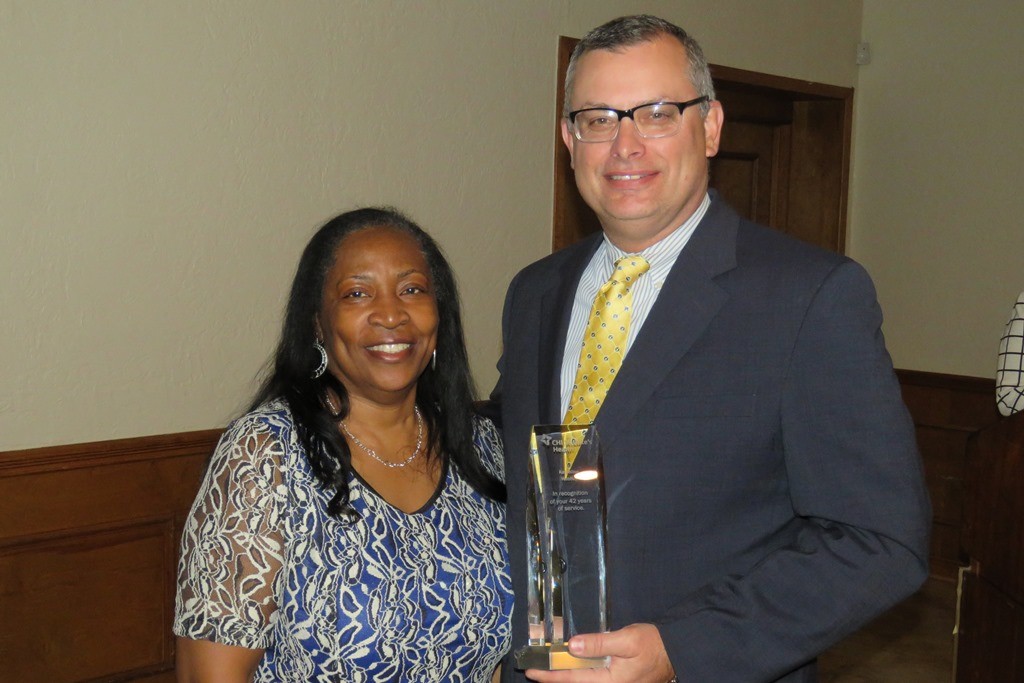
{"points": [[637, 656]]}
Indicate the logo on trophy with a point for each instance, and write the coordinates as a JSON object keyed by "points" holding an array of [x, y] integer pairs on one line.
{"points": [[566, 546]]}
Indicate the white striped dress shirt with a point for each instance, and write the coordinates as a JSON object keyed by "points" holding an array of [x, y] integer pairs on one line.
{"points": [[662, 256]]}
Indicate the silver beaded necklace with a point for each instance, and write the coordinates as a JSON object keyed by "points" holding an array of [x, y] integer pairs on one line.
{"points": [[373, 454]]}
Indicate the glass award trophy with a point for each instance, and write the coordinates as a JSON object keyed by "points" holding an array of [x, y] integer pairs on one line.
{"points": [[566, 546]]}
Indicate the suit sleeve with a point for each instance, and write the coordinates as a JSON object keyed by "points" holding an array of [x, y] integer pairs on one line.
{"points": [[861, 511], [493, 410]]}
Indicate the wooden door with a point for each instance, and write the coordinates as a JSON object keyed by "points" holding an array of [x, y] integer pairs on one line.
{"points": [[785, 151]]}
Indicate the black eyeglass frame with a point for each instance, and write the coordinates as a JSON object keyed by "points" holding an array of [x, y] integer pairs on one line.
{"points": [[628, 114]]}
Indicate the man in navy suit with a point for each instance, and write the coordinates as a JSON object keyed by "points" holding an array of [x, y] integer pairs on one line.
{"points": [[764, 491]]}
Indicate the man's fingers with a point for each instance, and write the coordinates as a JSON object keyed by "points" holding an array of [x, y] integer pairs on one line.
{"points": [[625, 642], [592, 644], [636, 652]]}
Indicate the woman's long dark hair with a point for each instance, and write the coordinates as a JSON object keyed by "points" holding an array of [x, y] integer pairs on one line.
{"points": [[444, 393]]}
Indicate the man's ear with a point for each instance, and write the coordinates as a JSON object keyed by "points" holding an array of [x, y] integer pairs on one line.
{"points": [[569, 139], [713, 122]]}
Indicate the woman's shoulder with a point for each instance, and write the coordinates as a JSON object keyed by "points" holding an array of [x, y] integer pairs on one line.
{"points": [[267, 428], [487, 440], [272, 415]]}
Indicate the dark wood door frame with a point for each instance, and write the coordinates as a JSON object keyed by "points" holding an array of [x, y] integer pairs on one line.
{"points": [[816, 123]]}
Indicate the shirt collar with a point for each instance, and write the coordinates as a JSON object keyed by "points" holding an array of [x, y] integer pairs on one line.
{"points": [[663, 253]]}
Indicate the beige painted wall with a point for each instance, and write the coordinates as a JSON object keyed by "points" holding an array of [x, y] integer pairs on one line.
{"points": [[163, 163], [937, 205]]}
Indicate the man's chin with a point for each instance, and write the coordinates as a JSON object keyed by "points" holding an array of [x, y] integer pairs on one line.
{"points": [[628, 213]]}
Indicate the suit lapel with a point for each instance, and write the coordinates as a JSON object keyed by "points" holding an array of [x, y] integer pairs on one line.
{"points": [[556, 311], [686, 305]]}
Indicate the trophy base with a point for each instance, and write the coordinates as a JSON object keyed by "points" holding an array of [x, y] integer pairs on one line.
{"points": [[554, 657]]}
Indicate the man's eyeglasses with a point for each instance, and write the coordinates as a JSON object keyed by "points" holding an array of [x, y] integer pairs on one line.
{"points": [[655, 120]]}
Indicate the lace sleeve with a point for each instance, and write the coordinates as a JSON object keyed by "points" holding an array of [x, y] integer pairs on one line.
{"points": [[232, 545], [487, 440]]}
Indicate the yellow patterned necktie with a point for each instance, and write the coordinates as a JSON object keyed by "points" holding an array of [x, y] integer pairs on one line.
{"points": [[604, 340]]}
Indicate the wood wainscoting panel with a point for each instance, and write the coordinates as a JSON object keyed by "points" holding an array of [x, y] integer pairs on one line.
{"points": [[88, 555], [990, 638], [947, 410], [82, 593]]}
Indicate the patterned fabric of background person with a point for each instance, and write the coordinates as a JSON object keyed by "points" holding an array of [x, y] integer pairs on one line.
{"points": [[1010, 375]]}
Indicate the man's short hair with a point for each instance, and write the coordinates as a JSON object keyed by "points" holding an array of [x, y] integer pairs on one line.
{"points": [[633, 30]]}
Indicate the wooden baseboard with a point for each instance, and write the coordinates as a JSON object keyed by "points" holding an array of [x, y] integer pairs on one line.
{"points": [[88, 553]]}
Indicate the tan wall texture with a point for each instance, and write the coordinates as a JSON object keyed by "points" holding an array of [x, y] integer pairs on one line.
{"points": [[937, 206], [162, 165]]}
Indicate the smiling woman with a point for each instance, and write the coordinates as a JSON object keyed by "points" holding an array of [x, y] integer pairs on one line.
{"points": [[378, 318], [360, 496]]}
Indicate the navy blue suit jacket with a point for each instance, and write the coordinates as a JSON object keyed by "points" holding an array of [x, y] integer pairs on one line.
{"points": [[764, 490]]}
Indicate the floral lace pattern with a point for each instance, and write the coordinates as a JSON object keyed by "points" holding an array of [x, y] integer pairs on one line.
{"points": [[393, 596]]}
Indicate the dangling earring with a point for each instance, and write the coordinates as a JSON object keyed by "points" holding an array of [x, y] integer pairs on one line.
{"points": [[433, 361], [320, 369]]}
